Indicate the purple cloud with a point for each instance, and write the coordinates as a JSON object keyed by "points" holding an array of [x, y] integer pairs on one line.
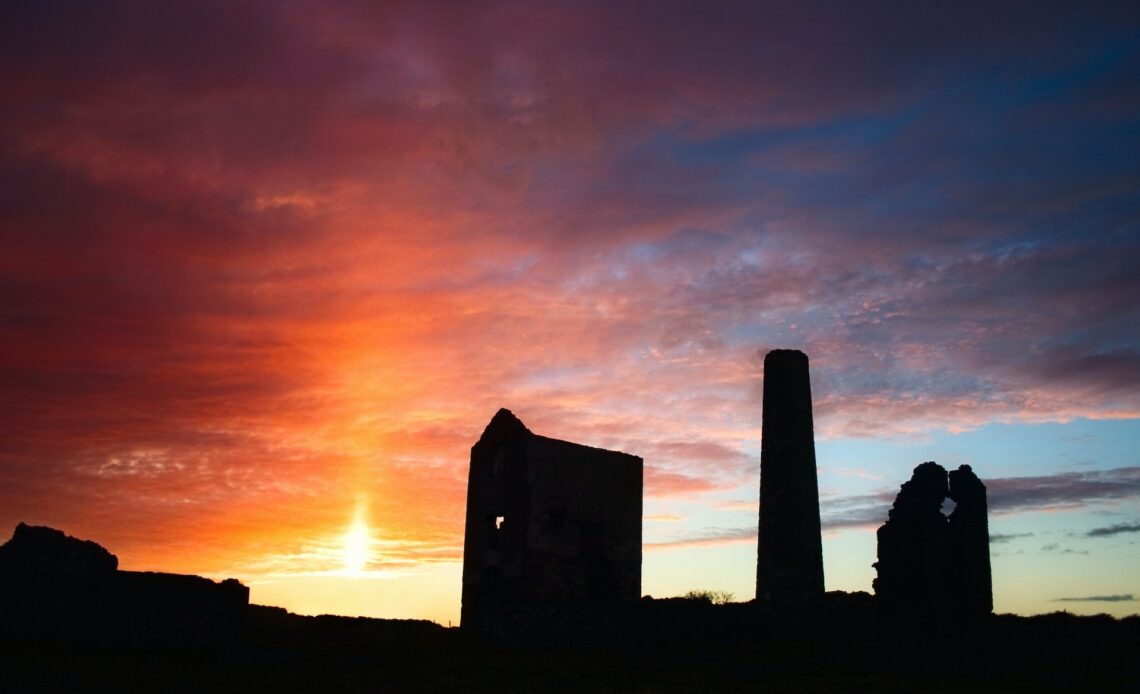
{"points": [[1111, 530], [1123, 597]]}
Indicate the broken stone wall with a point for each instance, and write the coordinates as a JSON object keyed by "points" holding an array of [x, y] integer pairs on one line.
{"points": [[913, 566], [931, 567], [969, 540]]}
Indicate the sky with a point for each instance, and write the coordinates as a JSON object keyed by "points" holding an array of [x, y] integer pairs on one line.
{"points": [[268, 269]]}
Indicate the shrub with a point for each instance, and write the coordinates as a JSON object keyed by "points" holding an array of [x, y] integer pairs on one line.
{"points": [[714, 597]]}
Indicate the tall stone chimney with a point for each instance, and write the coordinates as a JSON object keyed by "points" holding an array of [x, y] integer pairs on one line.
{"points": [[789, 567]]}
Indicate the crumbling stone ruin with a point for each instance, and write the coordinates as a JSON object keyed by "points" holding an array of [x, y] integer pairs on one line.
{"points": [[930, 567], [789, 564], [553, 533], [548, 523], [56, 586], [969, 544]]}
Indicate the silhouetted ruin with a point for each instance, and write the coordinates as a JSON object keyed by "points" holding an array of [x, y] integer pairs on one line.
{"points": [[549, 523], [789, 565], [969, 544], [53, 586], [912, 565], [551, 577], [930, 567]]}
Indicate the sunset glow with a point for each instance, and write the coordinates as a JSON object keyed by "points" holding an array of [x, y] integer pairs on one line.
{"points": [[268, 269], [357, 545]]}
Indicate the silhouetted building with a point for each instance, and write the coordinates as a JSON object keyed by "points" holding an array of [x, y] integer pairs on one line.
{"points": [[789, 566], [969, 540], [56, 586], [912, 567], [930, 567], [548, 523]]}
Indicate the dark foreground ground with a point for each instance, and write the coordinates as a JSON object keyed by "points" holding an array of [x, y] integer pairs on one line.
{"points": [[702, 648]]}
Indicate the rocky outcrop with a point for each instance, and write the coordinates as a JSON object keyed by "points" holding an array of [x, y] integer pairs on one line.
{"points": [[56, 586]]}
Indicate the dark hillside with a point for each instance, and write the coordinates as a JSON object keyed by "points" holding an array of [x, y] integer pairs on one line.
{"points": [[689, 648]]}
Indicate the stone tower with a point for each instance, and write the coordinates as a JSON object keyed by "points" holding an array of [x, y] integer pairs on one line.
{"points": [[789, 571]]}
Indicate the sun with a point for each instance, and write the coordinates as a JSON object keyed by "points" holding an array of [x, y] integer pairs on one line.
{"points": [[356, 545]]}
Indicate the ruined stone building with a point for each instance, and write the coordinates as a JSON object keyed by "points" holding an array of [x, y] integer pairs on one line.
{"points": [[548, 522], [931, 567], [789, 566]]}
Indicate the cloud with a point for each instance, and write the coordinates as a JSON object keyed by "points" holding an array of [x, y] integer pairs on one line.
{"points": [[1002, 538], [659, 483], [855, 511], [709, 536], [1124, 597], [1055, 548], [1114, 530], [1066, 489]]}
